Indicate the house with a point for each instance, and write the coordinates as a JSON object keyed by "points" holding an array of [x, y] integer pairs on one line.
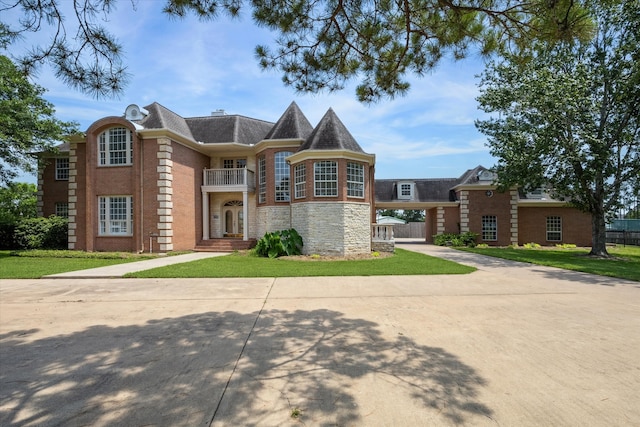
{"points": [[472, 203], [154, 181]]}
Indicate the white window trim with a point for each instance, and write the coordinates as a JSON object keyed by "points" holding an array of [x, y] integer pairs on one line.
{"points": [[104, 150], [411, 190], [59, 169], [357, 186], [300, 178], [317, 181], [487, 231], [262, 179], [279, 162], [559, 231], [105, 223]]}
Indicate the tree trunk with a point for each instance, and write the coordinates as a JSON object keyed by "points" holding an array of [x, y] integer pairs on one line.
{"points": [[598, 234]]}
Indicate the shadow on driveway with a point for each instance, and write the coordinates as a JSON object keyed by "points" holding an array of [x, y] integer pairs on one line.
{"points": [[202, 368]]}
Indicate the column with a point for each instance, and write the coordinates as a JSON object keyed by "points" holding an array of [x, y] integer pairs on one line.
{"points": [[205, 215], [245, 215]]}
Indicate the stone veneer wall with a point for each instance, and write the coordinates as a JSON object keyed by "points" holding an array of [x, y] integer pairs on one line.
{"points": [[272, 218], [333, 228], [165, 194]]}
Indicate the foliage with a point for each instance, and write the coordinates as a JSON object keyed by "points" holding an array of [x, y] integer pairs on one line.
{"points": [[451, 239], [279, 243], [321, 45], [565, 246], [240, 265], [41, 233], [17, 200], [27, 122], [624, 263], [531, 245], [568, 118], [408, 215]]}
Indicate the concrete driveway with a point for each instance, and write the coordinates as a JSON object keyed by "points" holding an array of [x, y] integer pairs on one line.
{"points": [[509, 345]]}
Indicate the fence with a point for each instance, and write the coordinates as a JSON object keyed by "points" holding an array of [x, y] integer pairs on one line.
{"points": [[623, 237], [410, 230]]}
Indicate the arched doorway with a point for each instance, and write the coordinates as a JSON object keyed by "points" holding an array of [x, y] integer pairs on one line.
{"points": [[233, 215]]}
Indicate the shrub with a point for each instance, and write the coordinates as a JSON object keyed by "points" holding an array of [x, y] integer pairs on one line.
{"points": [[451, 239], [279, 243], [565, 246], [41, 233], [7, 235], [531, 245]]}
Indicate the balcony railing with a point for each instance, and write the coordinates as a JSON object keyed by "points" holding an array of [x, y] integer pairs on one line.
{"points": [[381, 232], [237, 178]]}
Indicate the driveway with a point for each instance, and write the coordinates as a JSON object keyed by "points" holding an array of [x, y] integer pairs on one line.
{"points": [[510, 345]]}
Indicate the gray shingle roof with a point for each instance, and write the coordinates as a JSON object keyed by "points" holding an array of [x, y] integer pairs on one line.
{"points": [[292, 125], [331, 134], [209, 129]]}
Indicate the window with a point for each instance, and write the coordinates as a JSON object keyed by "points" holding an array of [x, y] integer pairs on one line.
{"points": [[554, 228], [326, 178], [355, 179], [62, 169], [262, 180], [115, 216], [234, 163], [405, 190], [282, 176], [489, 227], [300, 172], [62, 209], [115, 147]]}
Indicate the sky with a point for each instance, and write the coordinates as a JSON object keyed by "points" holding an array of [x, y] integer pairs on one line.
{"points": [[194, 68]]}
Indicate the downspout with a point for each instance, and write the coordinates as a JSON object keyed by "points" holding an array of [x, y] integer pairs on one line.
{"points": [[142, 197]]}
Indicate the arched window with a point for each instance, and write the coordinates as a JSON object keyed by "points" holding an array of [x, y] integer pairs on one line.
{"points": [[115, 147]]}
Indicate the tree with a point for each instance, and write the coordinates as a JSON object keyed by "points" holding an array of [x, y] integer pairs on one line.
{"points": [[27, 122], [413, 215], [17, 201], [321, 45], [569, 118]]}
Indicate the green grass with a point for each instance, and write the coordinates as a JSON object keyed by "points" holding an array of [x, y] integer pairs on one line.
{"points": [[624, 265], [242, 264], [38, 263]]}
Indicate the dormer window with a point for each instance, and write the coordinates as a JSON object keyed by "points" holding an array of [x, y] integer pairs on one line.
{"points": [[115, 147], [405, 190]]}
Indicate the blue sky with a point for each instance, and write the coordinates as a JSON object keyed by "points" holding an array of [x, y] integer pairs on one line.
{"points": [[194, 68]]}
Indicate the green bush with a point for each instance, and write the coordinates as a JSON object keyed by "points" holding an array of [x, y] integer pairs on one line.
{"points": [[279, 243], [7, 236], [41, 233], [451, 239]]}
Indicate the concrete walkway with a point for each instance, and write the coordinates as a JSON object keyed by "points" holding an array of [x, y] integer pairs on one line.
{"points": [[119, 270], [510, 344]]}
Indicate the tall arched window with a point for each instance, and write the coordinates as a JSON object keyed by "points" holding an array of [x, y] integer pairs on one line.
{"points": [[115, 147]]}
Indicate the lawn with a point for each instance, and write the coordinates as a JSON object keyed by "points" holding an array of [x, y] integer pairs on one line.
{"points": [[242, 264], [35, 264], [625, 263]]}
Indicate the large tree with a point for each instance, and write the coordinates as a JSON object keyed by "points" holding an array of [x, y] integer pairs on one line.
{"points": [[568, 118], [27, 122], [320, 44], [17, 201]]}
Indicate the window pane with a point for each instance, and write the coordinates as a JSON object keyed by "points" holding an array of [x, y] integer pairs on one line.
{"points": [[282, 176], [262, 180], [301, 181], [355, 180], [489, 227], [115, 147], [326, 178], [62, 169], [554, 228]]}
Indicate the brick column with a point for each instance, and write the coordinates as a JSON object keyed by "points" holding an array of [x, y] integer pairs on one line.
{"points": [[464, 211], [72, 197], [165, 195]]}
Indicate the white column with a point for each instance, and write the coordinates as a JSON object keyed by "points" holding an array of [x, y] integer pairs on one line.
{"points": [[245, 215], [205, 215]]}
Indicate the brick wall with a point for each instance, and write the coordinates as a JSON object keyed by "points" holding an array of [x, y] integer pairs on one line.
{"points": [[499, 204], [50, 190], [532, 225]]}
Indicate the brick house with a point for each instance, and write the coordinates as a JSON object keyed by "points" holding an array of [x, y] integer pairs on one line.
{"points": [[472, 203], [155, 181], [152, 180]]}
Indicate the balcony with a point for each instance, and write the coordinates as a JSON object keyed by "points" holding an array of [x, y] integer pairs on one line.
{"points": [[223, 180]]}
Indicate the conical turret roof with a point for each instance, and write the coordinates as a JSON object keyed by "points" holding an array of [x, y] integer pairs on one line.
{"points": [[292, 125], [331, 134]]}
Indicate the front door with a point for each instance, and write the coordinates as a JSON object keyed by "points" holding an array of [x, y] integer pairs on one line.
{"points": [[233, 219]]}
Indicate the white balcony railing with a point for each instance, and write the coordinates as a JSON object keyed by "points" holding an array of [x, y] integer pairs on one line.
{"points": [[381, 232], [225, 178]]}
